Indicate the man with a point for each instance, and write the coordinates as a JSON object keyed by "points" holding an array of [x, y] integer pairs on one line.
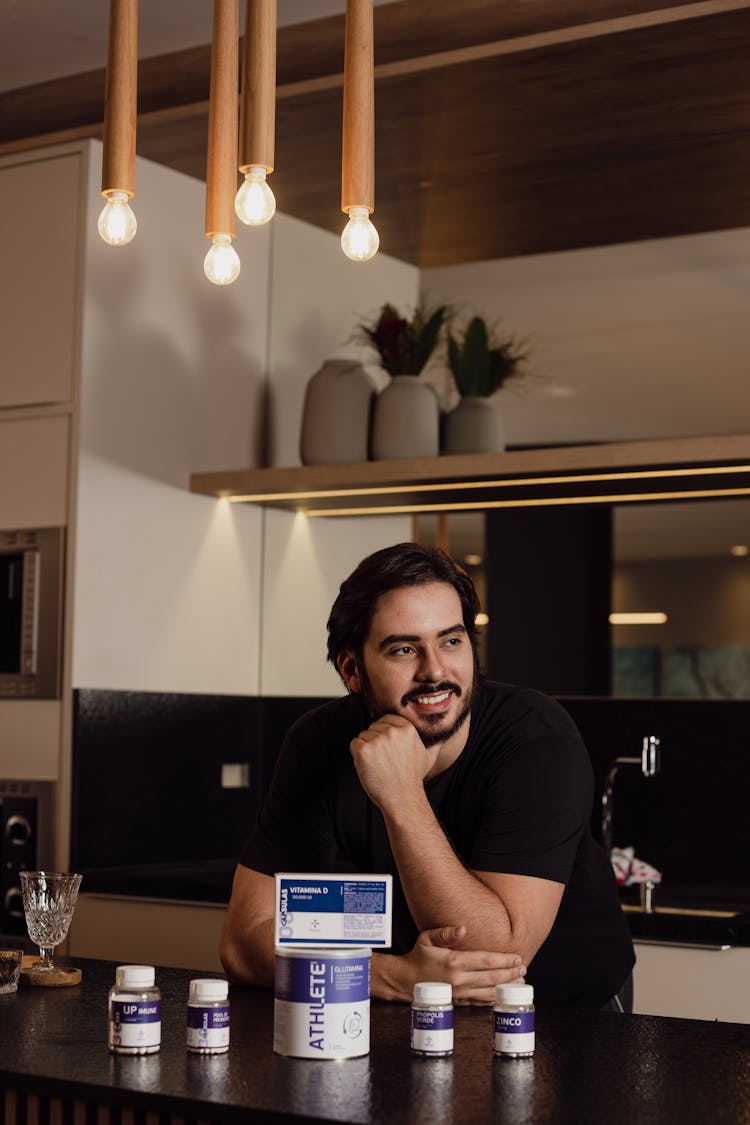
{"points": [[476, 796]]}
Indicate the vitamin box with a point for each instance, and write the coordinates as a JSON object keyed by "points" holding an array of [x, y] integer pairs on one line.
{"points": [[346, 910]]}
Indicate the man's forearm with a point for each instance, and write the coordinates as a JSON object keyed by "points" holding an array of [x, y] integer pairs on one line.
{"points": [[247, 954], [438, 888]]}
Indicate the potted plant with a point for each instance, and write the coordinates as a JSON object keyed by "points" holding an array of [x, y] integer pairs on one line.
{"points": [[404, 344], [406, 418], [481, 362]]}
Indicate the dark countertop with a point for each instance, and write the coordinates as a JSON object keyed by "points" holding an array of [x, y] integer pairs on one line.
{"points": [[210, 881], [691, 915], [588, 1067]]}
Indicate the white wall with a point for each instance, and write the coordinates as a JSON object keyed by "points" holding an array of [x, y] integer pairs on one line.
{"points": [[306, 562], [168, 591], [318, 297], [167, 584], [643, 340]]}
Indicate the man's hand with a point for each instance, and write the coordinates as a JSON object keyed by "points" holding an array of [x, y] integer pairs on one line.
{"points": [[391, 760], [438, 955]]}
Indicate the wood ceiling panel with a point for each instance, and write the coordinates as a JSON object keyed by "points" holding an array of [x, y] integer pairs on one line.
{"points": [[640, 134], [634, 136]]}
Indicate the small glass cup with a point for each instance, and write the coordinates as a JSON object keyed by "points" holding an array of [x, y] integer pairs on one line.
{"points": [[10, 969], [49, 899]]}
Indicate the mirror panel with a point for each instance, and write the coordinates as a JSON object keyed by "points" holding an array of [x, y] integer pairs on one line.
{"points": [[687, 560]]}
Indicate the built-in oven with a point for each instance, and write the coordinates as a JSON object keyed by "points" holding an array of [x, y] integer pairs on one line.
{"points": [[31, 613], [26, 811]]}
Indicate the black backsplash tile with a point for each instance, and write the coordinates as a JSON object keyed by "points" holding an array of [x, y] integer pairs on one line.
{"points": [[691, 820], [149, 814], [147, 776], [147, 791]]}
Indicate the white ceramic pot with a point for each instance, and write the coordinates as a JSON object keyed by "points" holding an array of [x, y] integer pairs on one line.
{"points": [[336, 414], [475, 425], [406, 420]]}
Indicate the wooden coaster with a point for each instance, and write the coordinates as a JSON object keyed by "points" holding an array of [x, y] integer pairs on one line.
{"points": [[59, 977]]}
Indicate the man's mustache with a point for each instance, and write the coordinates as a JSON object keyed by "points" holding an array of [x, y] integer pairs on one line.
{"points": [[431, 689]]}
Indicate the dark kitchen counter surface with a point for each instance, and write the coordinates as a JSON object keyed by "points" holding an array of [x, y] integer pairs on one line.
{"points": [[595, 1067], [691, 915], [694, 914]]}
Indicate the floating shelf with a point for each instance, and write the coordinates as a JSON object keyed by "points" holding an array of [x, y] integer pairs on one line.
{"points": [[669, 469]]}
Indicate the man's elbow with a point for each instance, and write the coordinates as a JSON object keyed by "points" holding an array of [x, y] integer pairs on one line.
{"points": [[501, 932], [526, 937]]}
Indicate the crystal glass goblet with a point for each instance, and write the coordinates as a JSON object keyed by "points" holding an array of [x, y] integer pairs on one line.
{"points": [[49, 899]]}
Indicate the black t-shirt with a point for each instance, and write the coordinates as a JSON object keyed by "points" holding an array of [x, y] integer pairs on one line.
{"points": [[516, 800]]}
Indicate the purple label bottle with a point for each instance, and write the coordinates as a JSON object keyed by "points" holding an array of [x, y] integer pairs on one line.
{"points": [[208, 1017], [432, 1019], [134, 1011], [513, 1020]]}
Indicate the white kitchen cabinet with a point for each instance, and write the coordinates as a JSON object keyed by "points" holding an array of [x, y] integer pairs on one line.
{"points": [[34, 459], [40, 236], [692, 983], [137, 931]]}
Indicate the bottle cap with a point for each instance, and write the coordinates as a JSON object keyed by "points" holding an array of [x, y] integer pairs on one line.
{"points": [[202, 991], [134, 976], [433, 992], [514, 993]]}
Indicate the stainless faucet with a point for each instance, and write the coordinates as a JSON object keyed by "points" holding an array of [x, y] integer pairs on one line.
{"points": [[650, 763]]}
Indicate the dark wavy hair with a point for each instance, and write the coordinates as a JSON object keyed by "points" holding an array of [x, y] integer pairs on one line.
{"points": [[404, 564]]}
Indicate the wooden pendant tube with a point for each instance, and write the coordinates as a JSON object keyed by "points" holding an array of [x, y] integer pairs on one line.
{"points": [[221, 163], [358, 135], [120, 99], [258, 103]]}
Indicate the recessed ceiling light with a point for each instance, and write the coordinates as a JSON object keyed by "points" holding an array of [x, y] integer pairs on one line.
{"points": [[637, 618], [481, 619], [739, 550]]}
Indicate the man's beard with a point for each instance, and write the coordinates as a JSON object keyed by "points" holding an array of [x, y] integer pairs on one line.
{"points": [[377, 708]]}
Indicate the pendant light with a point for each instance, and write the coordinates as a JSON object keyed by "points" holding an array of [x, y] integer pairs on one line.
{"points": [[222, 264], [255, 203], [359, 240], [117, 223]]}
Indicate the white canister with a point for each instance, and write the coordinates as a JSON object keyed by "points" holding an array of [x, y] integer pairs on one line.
{"points": [[322, 1002]]}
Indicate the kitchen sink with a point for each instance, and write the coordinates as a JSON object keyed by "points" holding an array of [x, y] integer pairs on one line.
{"points": [[684, 918], [680, 911]]}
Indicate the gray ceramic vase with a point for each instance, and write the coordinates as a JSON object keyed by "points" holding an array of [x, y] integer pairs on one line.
{"points": [[475, 425], [336, 414], [406, 420]]}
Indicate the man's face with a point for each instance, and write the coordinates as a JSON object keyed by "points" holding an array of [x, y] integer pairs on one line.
{"points": [[418, 660]]}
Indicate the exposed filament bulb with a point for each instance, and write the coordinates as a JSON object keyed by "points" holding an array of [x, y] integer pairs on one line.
{"points": [[117, 223], [359, 239], [222, 264], [254, 202]]}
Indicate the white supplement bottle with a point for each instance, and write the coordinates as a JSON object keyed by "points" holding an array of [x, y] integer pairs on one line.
{"points": [[432, 1019], [134, 1011], [208, 1017], [513, 1019]]}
